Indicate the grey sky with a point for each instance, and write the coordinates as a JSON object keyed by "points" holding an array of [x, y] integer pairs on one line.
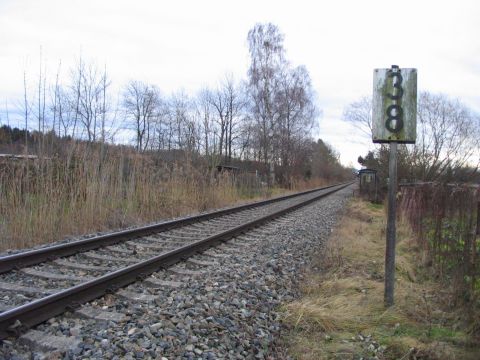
{"points": [[190, 44]]}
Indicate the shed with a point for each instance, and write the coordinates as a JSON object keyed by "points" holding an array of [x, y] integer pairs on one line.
{"points": [[368, 183], [227, 168]]}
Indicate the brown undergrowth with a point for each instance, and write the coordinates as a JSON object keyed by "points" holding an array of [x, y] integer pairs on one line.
{"points": [[445, 221], [341, 313], [82, 192]]}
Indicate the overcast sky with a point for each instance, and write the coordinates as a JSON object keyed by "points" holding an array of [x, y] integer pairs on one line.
{"points": [[189, 44]]}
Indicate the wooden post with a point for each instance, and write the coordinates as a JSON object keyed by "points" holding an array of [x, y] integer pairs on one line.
{"points": [[394, 121], [391, 226]]}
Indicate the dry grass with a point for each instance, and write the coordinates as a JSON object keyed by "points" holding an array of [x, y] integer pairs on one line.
{"points": [[302, 184], [345, 300], [80, 192], [48, 200]]}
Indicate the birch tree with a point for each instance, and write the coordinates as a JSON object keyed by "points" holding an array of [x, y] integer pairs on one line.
{"points": [[267, 60]]}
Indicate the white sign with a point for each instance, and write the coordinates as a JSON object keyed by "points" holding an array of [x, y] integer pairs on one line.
{"points": [[394, 112]]}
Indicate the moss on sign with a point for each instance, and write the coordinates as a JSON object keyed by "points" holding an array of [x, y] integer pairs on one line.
{"points": [[394, 105]]}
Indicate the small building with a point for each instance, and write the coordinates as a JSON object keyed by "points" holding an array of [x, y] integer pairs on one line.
{"points": [[368, 184], [228, 169]]}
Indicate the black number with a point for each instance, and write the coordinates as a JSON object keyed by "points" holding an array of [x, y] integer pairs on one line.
{"points": [[394, 121], [394, 112], [397, 84]]}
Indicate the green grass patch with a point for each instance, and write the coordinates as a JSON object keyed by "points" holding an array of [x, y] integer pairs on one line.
{"points": [[374, 206]]}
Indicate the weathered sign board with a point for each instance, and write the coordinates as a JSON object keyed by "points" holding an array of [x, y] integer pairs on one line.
{"points": [[394, 105], [394, 120]]}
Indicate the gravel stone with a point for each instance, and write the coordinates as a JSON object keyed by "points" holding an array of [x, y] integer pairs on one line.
{"points": [[228, 312]]}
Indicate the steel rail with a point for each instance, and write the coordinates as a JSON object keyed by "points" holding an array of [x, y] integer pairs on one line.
{"points": [[37, 256], [17, 320]]}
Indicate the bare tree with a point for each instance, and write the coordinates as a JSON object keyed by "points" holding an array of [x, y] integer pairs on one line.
{"points": [[246, 147], [185, 121], [218, 103], [298, 113], [41, 104], [447, 137], [56, 101], [141, 102], [359, 114], [76, 78], [235, 105], [267, 60], [90, 101], [26, 109], [181, 130], [104, 84], [227, 103], [204, 111], [64, 111]]}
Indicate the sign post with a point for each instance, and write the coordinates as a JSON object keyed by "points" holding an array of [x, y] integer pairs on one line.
{"points": [[391, 226], [394, 121]]}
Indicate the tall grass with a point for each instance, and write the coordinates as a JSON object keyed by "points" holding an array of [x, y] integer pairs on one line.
{"points": [[444, 218], [82, 191], [86, 188]]}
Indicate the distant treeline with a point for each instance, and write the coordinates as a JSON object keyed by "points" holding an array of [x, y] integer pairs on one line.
{"points": [[447, 148], [321, 161], [268, 118], [15, 136]]}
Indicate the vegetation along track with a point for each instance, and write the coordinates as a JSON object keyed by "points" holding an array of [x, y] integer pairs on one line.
{"points": [[40, 284]]}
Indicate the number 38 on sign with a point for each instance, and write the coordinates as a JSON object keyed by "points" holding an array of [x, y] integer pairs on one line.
{"points": [[394, 105]]}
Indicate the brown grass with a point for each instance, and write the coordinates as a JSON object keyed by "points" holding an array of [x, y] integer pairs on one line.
{"points": [[345, 300], [47, 200], [80, 192]]}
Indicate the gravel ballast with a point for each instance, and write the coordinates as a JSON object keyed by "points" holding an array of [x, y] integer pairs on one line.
{"points": [[221, 304]]}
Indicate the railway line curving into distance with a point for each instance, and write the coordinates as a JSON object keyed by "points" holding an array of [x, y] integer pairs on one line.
{"points": [[40, 284]]}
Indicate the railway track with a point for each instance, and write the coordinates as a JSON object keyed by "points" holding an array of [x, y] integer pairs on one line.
{"points": [[39, 284]]}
